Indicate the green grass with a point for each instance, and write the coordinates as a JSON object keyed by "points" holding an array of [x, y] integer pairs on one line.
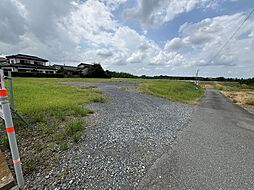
{"points": [[180, 91], [76, 138], [42, 98], [55, 110], [73, 126]]}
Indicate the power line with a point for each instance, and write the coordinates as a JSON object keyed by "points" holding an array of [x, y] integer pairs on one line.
{"points": [[227, 42]]}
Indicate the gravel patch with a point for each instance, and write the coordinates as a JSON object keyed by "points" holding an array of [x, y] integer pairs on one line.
{"points": [[124, 137]]}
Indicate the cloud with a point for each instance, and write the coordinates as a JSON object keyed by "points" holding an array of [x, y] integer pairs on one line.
{"points": [[71, 31], [175, 43], [203, 40], [156, 12], [12, 23], [104, 53], [113, 4]]}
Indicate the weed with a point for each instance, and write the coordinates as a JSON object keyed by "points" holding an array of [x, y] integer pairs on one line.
{"points": [[74, 126], [5, 142], [46, 129], [29, 165], [52, 146], [76, 138], [58, 136], [37, 147], [64, 146]]}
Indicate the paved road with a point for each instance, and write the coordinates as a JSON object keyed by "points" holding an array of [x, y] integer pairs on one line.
{"points": [[216, 151]]}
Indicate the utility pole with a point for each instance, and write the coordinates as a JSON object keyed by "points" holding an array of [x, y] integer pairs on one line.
{"points": [[197, 82]]}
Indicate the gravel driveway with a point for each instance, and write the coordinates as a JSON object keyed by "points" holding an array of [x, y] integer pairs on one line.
{"points": [[124, 138]]}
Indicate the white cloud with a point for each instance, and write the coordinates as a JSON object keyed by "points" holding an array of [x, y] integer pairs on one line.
{"points": [[71, 31], [151, 12], [157, 12], [113, 4], [205, 38]]}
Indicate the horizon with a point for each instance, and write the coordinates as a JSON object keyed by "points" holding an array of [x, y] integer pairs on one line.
{"points": [[152, 38]]}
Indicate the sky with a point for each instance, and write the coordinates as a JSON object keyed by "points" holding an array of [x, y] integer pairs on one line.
{"points": [[142, 37]]}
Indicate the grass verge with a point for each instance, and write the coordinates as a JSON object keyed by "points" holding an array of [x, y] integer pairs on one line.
{"points": [[181, 91]]}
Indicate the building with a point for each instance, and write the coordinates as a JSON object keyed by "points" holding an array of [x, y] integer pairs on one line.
{"points": [[3, 60], [33, 66], [68, 70], [27, 63], [82, 70]]}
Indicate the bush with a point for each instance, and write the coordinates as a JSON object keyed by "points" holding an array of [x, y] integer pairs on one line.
{"points": [[41, 75]]}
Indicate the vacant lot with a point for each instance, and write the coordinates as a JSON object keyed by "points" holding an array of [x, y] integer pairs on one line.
{"points": [[57, 113], [125, 136]]}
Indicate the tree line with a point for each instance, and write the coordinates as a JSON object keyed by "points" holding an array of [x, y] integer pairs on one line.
{"points": [[249, 81]]}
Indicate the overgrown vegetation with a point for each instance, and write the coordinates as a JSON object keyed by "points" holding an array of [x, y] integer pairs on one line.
{"points": [[56, 112], [181, 91], [239, 93]]}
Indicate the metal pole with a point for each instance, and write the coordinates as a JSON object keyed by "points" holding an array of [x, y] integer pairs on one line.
{"points": [[12, 140], [11, 90], [2, 86], [6, 114], [197, 77]]}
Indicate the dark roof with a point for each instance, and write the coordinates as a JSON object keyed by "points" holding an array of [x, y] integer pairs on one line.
{"points": [[2, 59], [29, 66], [85, 64], [30, 57]]}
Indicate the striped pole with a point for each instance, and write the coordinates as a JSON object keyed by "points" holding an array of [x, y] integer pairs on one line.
{"points": [[6, 114]]}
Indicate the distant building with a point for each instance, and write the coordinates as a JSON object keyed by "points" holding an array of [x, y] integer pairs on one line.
{"points": [[27, 63], [68, 70], [82, 70], [3, 60]]}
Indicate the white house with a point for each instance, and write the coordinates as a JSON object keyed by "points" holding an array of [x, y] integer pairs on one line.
{"points": [[27, 63]]}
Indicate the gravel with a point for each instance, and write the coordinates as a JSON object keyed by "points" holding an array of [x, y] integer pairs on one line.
{"points": [[124, 137]]}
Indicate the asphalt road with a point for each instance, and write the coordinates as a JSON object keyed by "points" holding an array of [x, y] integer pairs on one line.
{"points": [[216, 151]]}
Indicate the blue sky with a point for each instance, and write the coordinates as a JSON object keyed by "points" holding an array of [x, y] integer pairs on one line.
{"points": [[151, 37]]}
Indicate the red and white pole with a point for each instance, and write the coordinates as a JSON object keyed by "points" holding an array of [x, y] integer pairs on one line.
{"points": [[6, 114]]}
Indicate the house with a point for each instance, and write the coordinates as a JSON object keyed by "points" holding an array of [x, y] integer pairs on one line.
{"points": [[82, 70], [27, 63], [3, 60], [33, 66], [68, 70]]}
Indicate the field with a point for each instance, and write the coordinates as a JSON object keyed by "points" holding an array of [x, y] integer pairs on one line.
{"points": [[57, 113]]}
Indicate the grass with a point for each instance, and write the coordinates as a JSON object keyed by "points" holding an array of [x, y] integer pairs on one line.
{"points": [[56, 112], [76, 138], [181, 91], [42, 98], [73, 127]]}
